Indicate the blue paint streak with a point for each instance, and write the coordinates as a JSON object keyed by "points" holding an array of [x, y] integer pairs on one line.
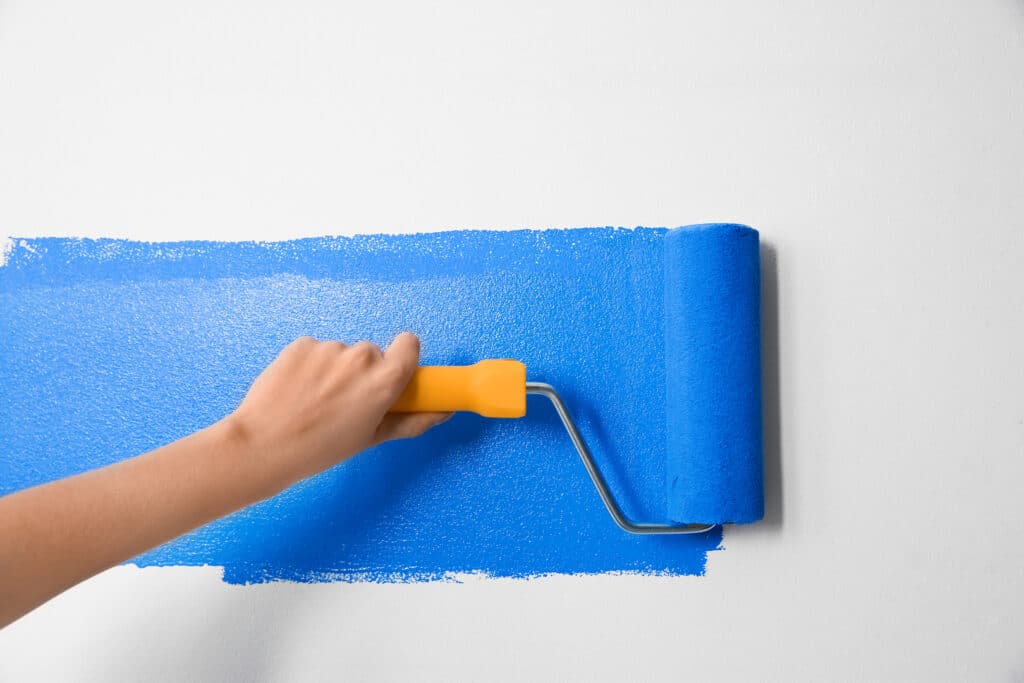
{"points": [[110, 348]]}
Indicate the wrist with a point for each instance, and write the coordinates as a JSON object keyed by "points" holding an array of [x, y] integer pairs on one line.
{"points": [[251, 457]]}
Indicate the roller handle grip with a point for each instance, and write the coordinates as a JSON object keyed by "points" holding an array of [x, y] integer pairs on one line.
{"points": [[492, 388]]}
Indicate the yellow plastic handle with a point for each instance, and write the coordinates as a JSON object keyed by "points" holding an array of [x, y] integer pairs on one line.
{"points": [[492, 388]]}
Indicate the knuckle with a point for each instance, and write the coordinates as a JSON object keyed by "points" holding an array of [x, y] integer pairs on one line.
{"points": [[298, 348], [333, 346], [364, 352]]}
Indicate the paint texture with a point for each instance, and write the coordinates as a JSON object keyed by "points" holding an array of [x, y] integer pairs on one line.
{"points": [[110, 348]]}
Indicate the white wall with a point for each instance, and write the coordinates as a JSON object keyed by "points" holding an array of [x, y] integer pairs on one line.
{"points": [[879, 147]]}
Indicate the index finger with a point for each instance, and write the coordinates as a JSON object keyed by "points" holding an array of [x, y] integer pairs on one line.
{"points": [[404, 353]]}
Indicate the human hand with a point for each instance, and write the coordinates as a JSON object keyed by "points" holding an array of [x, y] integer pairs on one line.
{"points": [[319, 403]]}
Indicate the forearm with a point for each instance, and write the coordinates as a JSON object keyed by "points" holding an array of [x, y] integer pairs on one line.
{"points": [[56, 535]]}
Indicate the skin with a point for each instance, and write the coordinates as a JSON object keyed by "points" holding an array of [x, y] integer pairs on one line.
{"points": [[316, 405]]}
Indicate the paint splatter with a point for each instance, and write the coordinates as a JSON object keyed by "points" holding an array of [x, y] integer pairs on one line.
{"points": [[109, 348]]}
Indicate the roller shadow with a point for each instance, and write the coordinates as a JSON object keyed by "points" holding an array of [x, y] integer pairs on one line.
{"points": [[771, 394], [771, 402]]}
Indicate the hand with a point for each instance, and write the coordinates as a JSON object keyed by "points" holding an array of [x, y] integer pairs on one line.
{"points": [[319, 403]]}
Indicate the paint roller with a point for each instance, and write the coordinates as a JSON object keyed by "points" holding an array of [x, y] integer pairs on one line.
{"points": [[714, 471]]}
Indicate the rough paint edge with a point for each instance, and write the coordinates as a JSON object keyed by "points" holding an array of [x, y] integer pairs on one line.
{"points": [[344, 234], [257, 577], [6, 249], [450, 577]]}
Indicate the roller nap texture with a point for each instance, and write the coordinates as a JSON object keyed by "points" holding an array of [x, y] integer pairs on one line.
{"points": [[713, 374]]}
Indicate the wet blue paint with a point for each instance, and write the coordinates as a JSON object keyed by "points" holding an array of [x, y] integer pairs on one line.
{"points": [[110, 348]]}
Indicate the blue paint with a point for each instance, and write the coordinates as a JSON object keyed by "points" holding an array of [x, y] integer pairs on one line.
{"points": [[110, 348]]}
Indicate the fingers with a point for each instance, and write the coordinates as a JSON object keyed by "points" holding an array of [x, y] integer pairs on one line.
{"points": [[386, 372], [404, 350], [364, 354], [408, 425]]}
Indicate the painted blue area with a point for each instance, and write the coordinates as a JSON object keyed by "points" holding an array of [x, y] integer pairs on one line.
{"points": [[110, 348]]}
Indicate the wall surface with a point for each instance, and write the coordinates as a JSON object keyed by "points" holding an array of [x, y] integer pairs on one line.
{"points": [[877, 146]]}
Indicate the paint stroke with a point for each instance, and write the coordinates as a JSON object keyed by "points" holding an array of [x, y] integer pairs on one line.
{"points": [[110, 348]]}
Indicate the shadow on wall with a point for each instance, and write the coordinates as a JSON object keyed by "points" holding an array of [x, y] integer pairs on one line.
{"points": [[771, 393]]}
